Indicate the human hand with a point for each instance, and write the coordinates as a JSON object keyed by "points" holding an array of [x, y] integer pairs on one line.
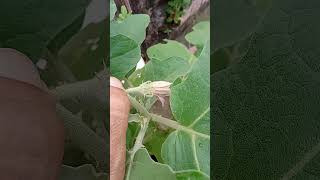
{"points": [[119, 111], [31, 135]]}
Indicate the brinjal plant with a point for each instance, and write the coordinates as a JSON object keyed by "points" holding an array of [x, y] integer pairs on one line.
{"points": [[168, 136]]}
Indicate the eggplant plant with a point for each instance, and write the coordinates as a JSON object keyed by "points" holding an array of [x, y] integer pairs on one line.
{"points": [[168, 136]]}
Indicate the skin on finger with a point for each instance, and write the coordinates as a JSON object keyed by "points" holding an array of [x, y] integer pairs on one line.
{"points": [[17, 66], [119, 110], [31, 134]]}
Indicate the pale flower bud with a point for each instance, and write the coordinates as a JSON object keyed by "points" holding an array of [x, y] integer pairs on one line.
{"points": [[156, 88], [160, 88]]}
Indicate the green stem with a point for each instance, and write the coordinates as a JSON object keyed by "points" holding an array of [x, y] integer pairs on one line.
{"points": [[82, 136], [90, 92], [129, 82], [135, 91], [165, 121], [176, 125], [138, 106], [137, 145]]}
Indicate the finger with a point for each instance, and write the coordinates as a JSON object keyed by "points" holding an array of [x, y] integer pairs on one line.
{"points": [[17, 66], [31, 134], [119, 110]]}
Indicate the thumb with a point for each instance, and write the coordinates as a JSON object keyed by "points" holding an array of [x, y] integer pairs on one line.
{"points": [[31, 134], [119, 110]]}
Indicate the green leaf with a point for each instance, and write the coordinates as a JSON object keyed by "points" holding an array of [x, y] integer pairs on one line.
{"points": [[124, 11], [124, 55], [154, 140], [189, 149], [85, 51], [169, 49], [236, 20], [220, 60], [84, 172], [132, 132], [200, 34], [28, 26], [266, 107], [125, 40], [66, 34], [191, 175], [166, 70], [144, 168], [113, 9], [134, 27], [168, 61]]}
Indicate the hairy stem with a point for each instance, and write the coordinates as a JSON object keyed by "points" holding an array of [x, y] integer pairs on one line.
{"points": [[165, 121], [128, 6], [91, 92], [82, 136], [137, 145], [135, 91]]}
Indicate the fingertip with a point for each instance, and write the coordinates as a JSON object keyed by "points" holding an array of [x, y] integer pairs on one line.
{"points": [[17, 66], [114, 82]]}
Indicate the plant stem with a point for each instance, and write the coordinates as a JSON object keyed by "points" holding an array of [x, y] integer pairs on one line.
{"points": [[176, 125], [135, 91], [90, 92], [128, 6], [138, 106], [137, 145], [129, 83], [82, 136], [165, 121]]}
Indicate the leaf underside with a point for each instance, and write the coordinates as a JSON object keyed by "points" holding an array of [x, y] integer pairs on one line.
{"points": [[265, 114]]}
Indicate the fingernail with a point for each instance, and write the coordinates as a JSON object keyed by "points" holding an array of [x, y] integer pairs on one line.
{"points": [[17, 66], [114, 82]]}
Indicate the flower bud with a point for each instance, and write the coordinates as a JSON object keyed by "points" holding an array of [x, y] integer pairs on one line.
{"points": [[160, 88], [156, 88]]}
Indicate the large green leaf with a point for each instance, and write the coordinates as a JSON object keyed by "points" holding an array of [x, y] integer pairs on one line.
{"points": [[85, 51], [236, 20], [168, 61], [191, 175], [200, 34], [166, 70], [124, 55], [66, 34], [144, 168], [125, 39], [220, 59], [190, 149], [154, 139], [132, 132], [168, 50], [266, 116], [134, 27], [29, 25]]}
